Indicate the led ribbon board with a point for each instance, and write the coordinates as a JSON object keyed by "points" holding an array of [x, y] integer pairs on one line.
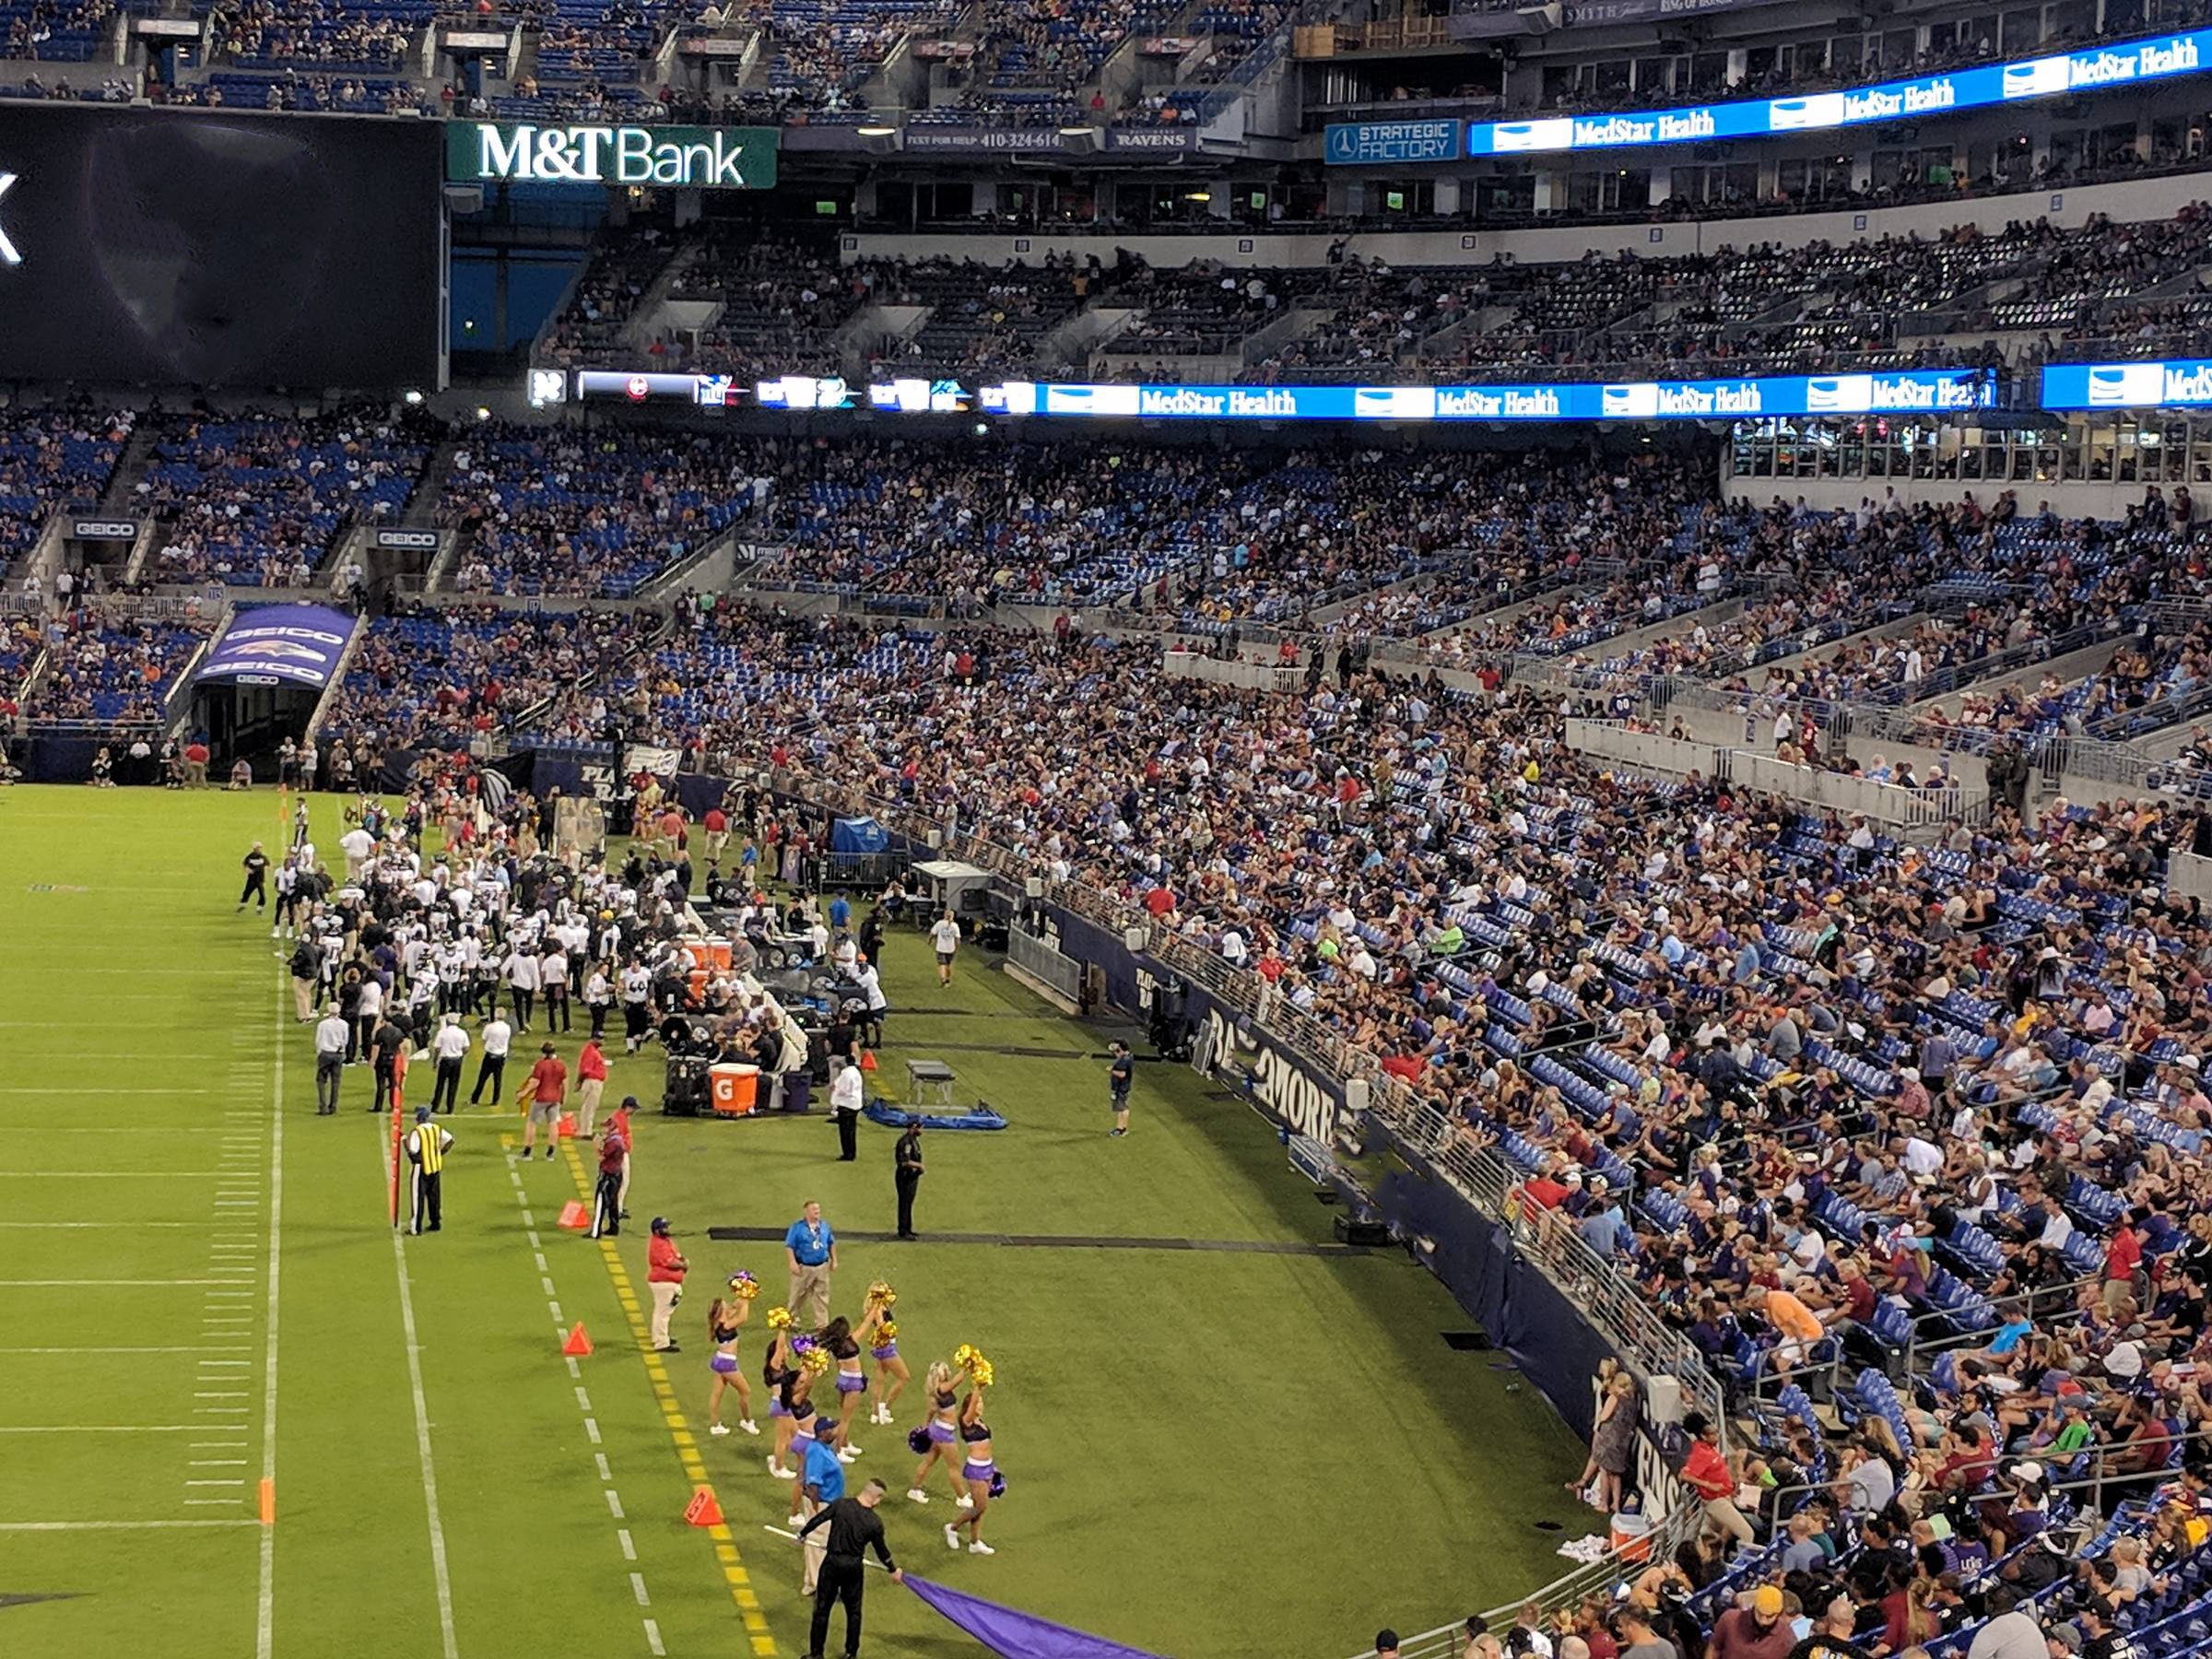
{"points": [[2131, 64], [2176, 384], [1901, 391]]}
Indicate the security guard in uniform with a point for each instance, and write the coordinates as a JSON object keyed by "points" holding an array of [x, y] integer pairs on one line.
{"points": [[427, 1144]]}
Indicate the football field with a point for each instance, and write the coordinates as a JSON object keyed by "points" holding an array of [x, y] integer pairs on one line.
{"points": [[243, 1418]]}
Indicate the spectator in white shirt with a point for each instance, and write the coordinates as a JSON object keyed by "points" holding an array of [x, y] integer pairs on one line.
{"points": [[492, 1068], [332, 1034], [449, 1047]]}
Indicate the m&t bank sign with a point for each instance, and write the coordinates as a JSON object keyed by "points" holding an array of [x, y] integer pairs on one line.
{"points": [[680, 157]]}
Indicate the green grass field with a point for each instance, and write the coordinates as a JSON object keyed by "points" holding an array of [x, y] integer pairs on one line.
{"points": [[1253, 1451]]}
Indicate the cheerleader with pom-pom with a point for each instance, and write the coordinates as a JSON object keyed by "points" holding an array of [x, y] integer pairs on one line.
{"points": [[852, 1380], [725, 1319], [937, 1434], [881, 1333], [776, 1372], [977, 1467], [809, 1359]]}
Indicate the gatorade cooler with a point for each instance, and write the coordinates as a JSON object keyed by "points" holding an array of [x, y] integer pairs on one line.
{"points": [[718, 955], [731, 1088], [1631, 1536]]}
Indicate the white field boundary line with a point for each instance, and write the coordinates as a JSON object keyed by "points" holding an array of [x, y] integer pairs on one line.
{"points": [[119, 1527], [264, 1627], [385, 1154]]}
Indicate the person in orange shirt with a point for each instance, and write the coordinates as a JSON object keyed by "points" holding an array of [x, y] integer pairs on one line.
{"points": [[1798, 1326], [544, 1090]]}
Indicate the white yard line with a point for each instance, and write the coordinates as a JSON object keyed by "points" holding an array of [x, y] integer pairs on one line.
{"points": [[265, 1625], [422, 1428]]}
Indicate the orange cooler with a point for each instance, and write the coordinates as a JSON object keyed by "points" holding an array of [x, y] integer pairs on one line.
{"points": [[731, 1088]]}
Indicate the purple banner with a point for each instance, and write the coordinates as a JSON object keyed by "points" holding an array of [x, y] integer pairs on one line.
{"points": [[1013, 1635], [271, 643]]}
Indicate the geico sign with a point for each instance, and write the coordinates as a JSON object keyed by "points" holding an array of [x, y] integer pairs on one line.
{"points": [[701, 158], [1281, 1087], [103, 530], [417, 540]]}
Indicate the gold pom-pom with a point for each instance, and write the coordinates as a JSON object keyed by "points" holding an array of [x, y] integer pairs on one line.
{"points": [[886, 1332], [984, 1373], [779, 1319], [816, 1360], [882, 1294]]}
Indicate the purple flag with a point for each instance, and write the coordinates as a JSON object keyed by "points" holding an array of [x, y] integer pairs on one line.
{"points": [[1017, 1635]]}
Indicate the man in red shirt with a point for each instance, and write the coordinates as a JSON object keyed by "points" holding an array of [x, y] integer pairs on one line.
{"points": [[590, 1082], [1755, 1632], [665, 1270], [614, 1172], [1706, 1473], [718, 832], [2123, 1261], [543, 1092]]}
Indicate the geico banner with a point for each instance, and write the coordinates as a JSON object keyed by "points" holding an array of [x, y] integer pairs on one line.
{"points": [[408, 541], [298, 642], [1242, 1056], [1902, 392], [695, 157], [2100, 68], [2182, 384], [105, 530]]}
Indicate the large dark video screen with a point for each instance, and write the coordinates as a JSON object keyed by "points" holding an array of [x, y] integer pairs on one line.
{"points": [[218, 250]]}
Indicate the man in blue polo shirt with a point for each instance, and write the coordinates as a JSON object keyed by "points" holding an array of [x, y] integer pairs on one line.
{"points": [[824, 1478], [810, 1248]]}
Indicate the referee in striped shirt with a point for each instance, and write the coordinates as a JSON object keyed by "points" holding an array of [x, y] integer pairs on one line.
{"points": [[427, 1146]]}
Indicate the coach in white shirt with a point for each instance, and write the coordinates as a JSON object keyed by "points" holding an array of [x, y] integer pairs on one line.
{"points": [[451, 1046], [332, 1032], [845, 1101], [492, 1068]]}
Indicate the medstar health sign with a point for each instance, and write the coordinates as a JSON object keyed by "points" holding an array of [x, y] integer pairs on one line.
{"points": [[681, 156]]}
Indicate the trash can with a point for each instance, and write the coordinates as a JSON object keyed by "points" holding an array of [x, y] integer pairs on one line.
{"points": [[798, 1090]]}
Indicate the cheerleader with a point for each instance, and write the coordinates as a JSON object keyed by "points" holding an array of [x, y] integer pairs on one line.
{"points": [[776, 1375], [938, 1435], [881, 1333], [725, 1318], [976, 1469], [852, 1380]]}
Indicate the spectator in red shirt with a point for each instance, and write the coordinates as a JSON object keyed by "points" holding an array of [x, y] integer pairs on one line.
{"points": [[1706, 1472], [543, 1092], [665, 1270], [614, 1177], [718, 832], [1753, 1632], [2123, 1261]]}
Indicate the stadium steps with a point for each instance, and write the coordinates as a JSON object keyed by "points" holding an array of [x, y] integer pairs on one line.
{"points": [[422, 506], [130, 466]]}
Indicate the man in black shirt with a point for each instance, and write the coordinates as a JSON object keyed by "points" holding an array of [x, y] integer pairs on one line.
{"points": [[1120, 1072], [907, 1156], [257, 863], [854, 1527]]}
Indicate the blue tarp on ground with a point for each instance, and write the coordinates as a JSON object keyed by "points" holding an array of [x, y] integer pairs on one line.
{"points": [[898, 1117], [1016, 1635], [858, 836]]}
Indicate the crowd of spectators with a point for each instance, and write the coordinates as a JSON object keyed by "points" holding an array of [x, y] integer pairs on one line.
{"points": [[569, 509], [106, 666], [51, 458], [255, 499], [442, 677]]}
